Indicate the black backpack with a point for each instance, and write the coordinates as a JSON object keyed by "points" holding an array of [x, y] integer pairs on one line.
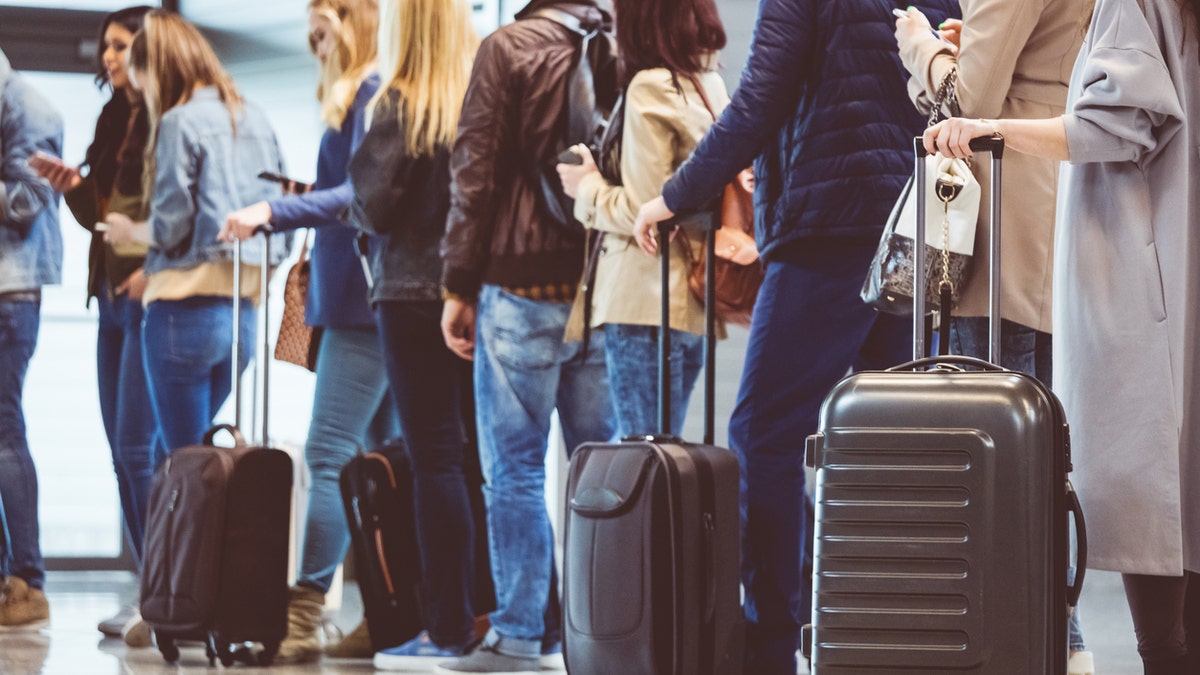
{"points": [[591, 95]]}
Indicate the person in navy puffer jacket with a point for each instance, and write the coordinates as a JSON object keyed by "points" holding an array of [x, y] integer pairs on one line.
{"points": [[823, 112]]}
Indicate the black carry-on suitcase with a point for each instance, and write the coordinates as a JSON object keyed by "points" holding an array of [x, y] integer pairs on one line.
{"points": [[651, 569], [942, 510], [216, 560], [377, 494]]}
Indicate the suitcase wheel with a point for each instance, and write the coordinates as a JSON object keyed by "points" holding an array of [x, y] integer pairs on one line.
{"points": [[168, 649], [226, 655], [267, 655]]}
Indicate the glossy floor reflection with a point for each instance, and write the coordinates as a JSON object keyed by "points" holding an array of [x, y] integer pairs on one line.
{"points": [[72, 646]]}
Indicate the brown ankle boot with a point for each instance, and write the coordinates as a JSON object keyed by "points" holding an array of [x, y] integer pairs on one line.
{"points": [[304, 620], [356, 645], [22, 607]]}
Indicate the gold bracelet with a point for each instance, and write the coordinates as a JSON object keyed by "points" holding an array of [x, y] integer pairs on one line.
{"points": [[992, 125], [447, 295]]}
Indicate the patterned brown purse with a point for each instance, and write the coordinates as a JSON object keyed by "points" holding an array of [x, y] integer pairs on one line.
{"points": [[297, 342]]}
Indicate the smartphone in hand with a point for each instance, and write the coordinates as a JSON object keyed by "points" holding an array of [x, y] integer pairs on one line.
{"points": [[290, 186], [569, 156], [42, 162]]}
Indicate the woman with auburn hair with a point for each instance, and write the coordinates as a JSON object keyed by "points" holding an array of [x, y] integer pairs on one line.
{"points": [[1126, 293], [351, 407], [401, 179], [206, 147], [113, 184], [667, 52]]}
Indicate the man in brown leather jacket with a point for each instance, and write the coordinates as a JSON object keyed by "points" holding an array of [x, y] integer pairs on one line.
{"points": [[511, 270]]}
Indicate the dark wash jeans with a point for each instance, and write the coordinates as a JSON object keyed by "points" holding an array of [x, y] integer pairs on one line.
{"points": [[427, 380], [18, 478], [188, 350], [125, 407], [809, 328]]}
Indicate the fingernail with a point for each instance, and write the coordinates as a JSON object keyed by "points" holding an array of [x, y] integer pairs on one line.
{"points": [[940, 25]]}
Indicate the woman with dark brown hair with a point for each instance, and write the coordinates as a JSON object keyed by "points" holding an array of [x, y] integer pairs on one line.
{"points": [[1126, 299], [113, 184], [667, 54]]}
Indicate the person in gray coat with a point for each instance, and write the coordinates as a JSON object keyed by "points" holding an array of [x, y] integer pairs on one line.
{"points": [[1127, 303]]}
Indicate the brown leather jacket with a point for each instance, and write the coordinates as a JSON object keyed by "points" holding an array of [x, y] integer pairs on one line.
{"points": [[513, 118]]}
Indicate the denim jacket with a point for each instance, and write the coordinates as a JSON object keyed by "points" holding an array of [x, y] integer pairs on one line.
{"points": [[204, 169], [30, 240]]}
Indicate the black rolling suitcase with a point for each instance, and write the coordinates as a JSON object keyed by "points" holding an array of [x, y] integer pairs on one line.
{"points": [[942, 511], [652, 555], [377, 494], [216, 560]]}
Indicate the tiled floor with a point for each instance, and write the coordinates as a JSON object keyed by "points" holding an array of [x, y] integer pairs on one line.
{"points": [[71, 646]]}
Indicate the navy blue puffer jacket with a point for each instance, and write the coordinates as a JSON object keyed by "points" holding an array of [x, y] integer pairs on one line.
{"points": [[823, 111]]}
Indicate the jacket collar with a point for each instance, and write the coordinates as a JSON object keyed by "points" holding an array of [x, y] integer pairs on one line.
{"points": [[5, 69], [577, 7]]}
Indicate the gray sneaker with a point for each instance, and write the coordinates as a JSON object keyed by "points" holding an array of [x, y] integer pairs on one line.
{"points": [[486, 659], [113, 626]]}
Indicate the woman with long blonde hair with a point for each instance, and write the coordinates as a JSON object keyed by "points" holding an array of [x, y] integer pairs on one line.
{"points": [[401, 178], [351, 408], [206, 147]]}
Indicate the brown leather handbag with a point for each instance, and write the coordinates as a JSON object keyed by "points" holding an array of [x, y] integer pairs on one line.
{"points": [[737, 270], [297, 342]]}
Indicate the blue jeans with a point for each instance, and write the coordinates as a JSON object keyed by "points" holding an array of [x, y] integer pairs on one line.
{"points": [[631, 353], [126, 410], [351, 411], [18, 478], [1024, 350], [188, 348], [428, 382], [809, 328], [523, 371]]}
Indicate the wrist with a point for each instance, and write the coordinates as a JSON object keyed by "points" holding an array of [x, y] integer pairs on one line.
{"points": [[994, 125]]}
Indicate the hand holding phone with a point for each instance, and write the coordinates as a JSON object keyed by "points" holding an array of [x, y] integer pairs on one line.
{"points": [[290, 186]]}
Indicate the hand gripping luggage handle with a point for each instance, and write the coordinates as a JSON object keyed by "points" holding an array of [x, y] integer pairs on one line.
{"points": [[265, 230], [664, 334], [1081, 552], [995, 146]]}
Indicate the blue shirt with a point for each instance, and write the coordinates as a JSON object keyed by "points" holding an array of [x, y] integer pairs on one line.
{"points": [[30, 240], [337, 292], [204, 169]]}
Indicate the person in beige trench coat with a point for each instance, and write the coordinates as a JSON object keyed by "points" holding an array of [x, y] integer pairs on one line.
{"points": [[1127, 304]]}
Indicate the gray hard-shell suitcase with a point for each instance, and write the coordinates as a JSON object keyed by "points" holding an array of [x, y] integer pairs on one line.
{"points": [[652, 553], [216, 561], [942, 513]]}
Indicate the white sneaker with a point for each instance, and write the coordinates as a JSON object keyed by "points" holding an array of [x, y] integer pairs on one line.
{"points": [[114, 625], [1081, 663]]}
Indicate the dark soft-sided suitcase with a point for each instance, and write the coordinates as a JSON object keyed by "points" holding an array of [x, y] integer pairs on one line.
{"points": [[942, 514], [651, 566], [216, 559], [377, 494]]}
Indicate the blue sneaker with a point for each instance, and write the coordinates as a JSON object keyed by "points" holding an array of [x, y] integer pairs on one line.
{"points": [[552, 657], [418, 655]]}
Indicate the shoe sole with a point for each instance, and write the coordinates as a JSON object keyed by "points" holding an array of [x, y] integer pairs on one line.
{"points": [[30, 627], [408, 664], [442, 670], [553, 662]]}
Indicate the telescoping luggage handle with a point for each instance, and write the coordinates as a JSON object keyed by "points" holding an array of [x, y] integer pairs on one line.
{"points": [[266, 231], [710, 325], [995, 146]]}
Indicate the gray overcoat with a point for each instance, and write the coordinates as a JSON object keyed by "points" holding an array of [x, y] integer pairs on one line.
{"points": [[1127, 287]]}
